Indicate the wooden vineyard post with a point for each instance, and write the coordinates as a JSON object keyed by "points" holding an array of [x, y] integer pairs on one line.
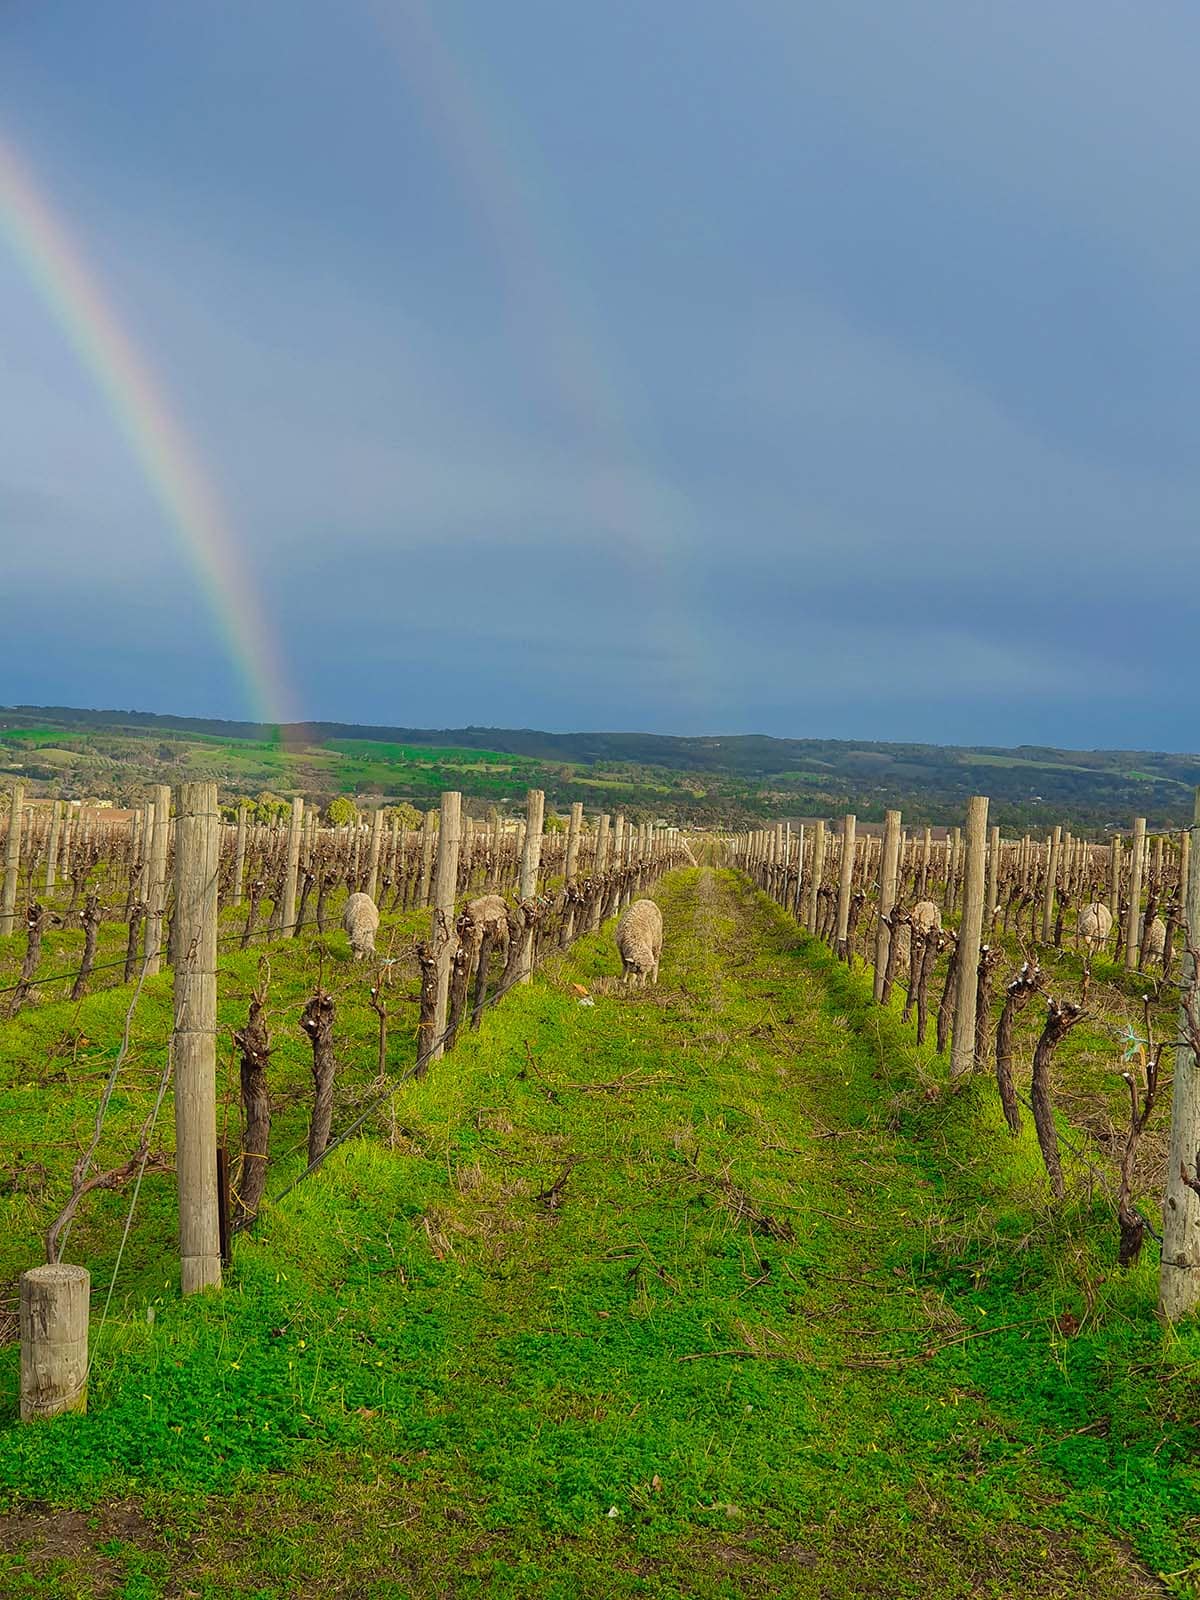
{"points": [[198, 833], [887, 897], [426, 858], [156, 855], [845, 883], [373, 858], [1179, 1268], [239, 855], [797, 907], [1136, 854], [1114, 877], [143, 849], [599, 865], [953, 868], [970, 933], [815, 874], [56, 817], [55, 1301], [531, 860], [12, 863], [571, 868], [1185, 863], [496, 848], [1048, 887], [292, 873], [445, 887], [993, 878]]}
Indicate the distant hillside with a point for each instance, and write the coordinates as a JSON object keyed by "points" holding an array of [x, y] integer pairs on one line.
{"points": [[712, 778]]}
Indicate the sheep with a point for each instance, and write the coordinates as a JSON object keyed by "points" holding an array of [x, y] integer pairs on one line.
{"points": [[490, 911], [1094, 925], [927, 917], [360, 921], [1154, 939], [639, 941]]}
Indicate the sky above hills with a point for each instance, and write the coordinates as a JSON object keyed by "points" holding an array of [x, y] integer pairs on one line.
{"points": [[811, 370]]}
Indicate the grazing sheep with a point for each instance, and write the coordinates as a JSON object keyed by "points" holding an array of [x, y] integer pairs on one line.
{"points": [[1094, 925], [1154, 939], [490, 911], [927, 917], [360, 921], [639, 941]]}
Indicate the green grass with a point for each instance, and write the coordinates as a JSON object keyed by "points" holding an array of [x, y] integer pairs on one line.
{"points": [[802, 1323]]}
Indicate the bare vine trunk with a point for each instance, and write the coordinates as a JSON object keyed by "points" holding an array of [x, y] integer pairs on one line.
{"points": [[254, 1043], [317, 1022], [1061, 1017], [1016, 998]]}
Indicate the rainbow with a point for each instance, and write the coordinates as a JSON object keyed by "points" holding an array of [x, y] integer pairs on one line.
{"points": [[646, 518], [73, 295]]}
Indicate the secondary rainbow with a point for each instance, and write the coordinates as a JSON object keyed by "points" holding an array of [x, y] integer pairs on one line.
{"points": [[72, 293]]}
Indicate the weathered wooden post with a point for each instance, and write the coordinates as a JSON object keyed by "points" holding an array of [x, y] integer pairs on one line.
{"points": [[197, 839], [1132, 914], [1114, 876], [599, 866], [157, 845], [531, 857], [1048, 888], [574, 829], [292, 872], [56, 817], [1179, 1268], [239, 854], [887, 897], [12, 862], [953, 867], [1185, 863], [570, 870], [54, 1340], [845, 883], [496, 848], [445, 888], [993, 877], [970, 934], [797, 906], [816, 873], [426, 858], [373, 858], [71, 824]]}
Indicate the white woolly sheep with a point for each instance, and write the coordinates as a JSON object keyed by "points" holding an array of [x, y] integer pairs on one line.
{"points": [[927, 917], [1094, 925], [360, 920], [490, 911], [639, 941], [1154, 939]]}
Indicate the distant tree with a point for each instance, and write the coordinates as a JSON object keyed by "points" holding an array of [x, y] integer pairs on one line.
{"points": [[271, 807], [340, 811], [554, 823], [405, 814]]}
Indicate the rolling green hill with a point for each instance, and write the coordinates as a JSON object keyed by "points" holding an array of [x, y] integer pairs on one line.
{"points": [[702, 780]]}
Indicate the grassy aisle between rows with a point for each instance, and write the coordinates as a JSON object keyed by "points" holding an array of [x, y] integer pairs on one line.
{"points": [[697, 1291]]}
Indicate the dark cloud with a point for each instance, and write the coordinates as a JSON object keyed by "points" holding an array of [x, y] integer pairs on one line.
{"points": [[797, 370]]}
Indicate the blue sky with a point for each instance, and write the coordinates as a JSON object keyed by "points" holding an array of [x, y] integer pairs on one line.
{"points": [[811, 370]]}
